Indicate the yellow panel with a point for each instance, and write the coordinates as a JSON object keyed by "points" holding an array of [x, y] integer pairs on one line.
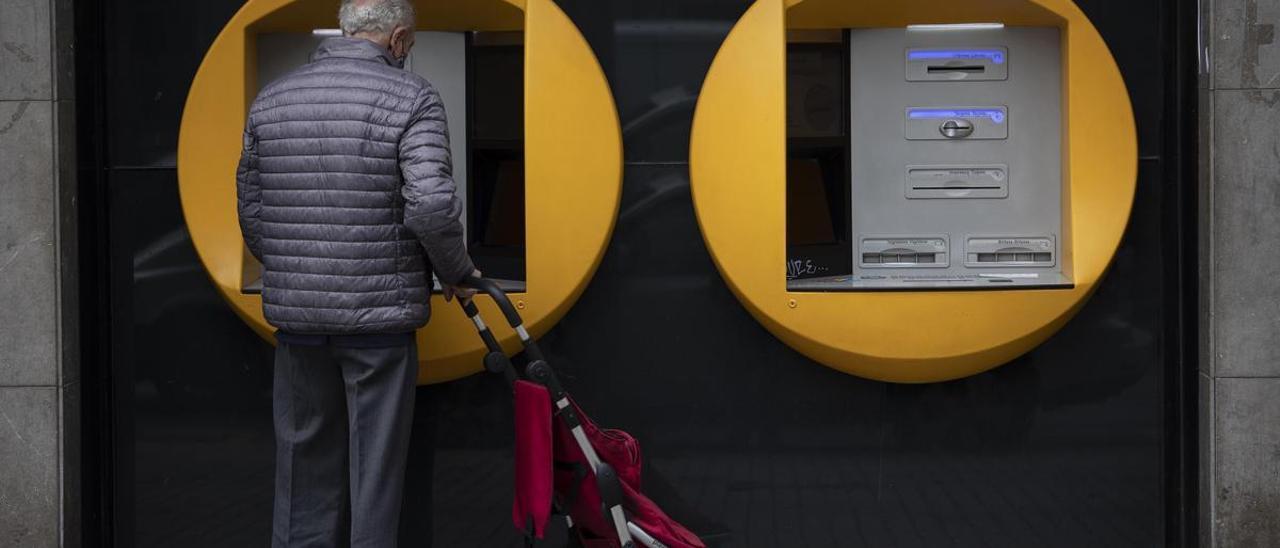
{"points": [[738, 166], [573, 148]]}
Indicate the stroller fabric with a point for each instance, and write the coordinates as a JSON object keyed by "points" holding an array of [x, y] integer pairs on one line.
{"points": [[534, 486], [579, 496]]}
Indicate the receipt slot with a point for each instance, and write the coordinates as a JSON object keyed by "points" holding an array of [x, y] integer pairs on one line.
{"points": [[536, 145], [945, 182]]}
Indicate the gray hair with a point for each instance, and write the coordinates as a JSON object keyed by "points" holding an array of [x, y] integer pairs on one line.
{"points": [[378, 17]]}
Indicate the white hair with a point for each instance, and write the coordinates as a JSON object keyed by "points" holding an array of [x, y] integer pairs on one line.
{"points": [[378, 17]]}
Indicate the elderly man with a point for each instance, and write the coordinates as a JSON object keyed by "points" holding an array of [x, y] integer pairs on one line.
{"points": [[347, 198]]}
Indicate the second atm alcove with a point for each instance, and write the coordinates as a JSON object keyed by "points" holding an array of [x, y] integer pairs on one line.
{"points": [[925, 158], [480, 77]]}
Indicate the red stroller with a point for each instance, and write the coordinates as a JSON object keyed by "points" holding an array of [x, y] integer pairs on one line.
{"points": [[589, 475]]}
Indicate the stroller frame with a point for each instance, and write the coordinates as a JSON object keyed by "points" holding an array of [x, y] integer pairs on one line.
{"points": [[540, 372]]}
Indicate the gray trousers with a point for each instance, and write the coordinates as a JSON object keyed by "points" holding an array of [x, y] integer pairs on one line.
{"points": [[342, 422]]}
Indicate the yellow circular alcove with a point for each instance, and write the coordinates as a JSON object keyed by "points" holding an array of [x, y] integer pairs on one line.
{"points": [[573, 161], [738, 169]]}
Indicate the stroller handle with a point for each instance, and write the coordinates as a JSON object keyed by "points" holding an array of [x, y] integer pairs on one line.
{"points": [[499, 296], [491, 289], [609, 485]]}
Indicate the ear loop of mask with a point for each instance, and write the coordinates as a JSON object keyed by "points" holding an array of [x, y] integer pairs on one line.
{"points": [[401, 60]]}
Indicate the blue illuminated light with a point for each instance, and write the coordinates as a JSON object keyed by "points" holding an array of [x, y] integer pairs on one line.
{"points": [[996, 115], [994, 55]]}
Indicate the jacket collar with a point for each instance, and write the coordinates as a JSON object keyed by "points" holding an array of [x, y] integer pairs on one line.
{"points": [[354, 48]]}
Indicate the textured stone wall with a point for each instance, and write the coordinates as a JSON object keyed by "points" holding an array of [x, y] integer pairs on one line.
{"points": [[38, 320], [1240, 312]]}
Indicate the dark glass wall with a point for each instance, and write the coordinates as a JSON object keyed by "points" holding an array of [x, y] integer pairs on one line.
{"points": [[746, 441]]}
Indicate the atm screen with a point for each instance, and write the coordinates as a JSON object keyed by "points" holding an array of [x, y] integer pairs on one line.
{"points": [[496, 202], [807, 193], [817, 155]]}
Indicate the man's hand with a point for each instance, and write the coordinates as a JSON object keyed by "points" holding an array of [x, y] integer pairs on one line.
{"points": [[464, 294]]}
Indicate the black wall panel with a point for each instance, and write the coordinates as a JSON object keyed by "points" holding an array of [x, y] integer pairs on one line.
{"points": [[746, 440]]}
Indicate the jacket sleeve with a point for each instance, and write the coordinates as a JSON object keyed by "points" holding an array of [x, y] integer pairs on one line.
{"points": [[433, 210], [249, 193]]}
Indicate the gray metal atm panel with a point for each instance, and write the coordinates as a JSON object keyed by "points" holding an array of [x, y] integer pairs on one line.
{"points": [[441, 58], [1000, 177]]}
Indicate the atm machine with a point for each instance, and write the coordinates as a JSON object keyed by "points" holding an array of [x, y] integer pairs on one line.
{"points": [[954, 147], [956, 179], [487, 164], [541, 193]]}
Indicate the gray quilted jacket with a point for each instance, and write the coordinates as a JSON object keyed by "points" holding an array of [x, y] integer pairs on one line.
{"points": [[346, 194]]}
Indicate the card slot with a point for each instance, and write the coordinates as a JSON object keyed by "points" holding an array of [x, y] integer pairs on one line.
{"points": [[968, 69]]}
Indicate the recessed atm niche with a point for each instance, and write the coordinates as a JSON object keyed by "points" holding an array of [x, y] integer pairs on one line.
{"points": [[953, 136], [479, 76], [536, 145], [923, 189]]}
